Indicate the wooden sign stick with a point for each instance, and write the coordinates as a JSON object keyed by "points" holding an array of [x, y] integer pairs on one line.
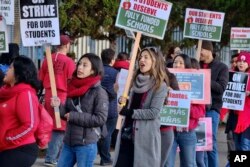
{"points": [[53, 84], [129, 77], [198, 51]]}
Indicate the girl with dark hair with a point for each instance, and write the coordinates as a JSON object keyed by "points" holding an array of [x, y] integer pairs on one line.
{"points": [[85, 110], [172, 52], [185, 138], [142, 146], [239, 121], [19, 114]]}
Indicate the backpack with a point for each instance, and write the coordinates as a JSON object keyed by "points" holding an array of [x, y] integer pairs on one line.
{"points": [[44, 128]]}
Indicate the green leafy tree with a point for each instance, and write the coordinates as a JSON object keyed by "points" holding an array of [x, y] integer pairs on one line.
{"points": [[94, 17]]}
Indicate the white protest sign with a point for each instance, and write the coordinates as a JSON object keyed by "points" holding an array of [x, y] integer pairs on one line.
{"points": [[7, 10], [39, 22], [177, 110], [235, 93], [4, 47], [123, 74], [203, 24], [240, 38]]}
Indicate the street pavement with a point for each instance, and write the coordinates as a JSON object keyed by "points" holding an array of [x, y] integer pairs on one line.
{"points": [[222, 147]]}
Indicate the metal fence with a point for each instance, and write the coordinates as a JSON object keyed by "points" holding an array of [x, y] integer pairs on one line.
{"points": [[86, 44]]}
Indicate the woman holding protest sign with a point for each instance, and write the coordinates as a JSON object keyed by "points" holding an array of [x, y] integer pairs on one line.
{"points": [[139, 140], [185, 138], [240, 120]]}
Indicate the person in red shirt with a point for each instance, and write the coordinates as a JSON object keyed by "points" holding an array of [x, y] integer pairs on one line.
{"points": [[122, 61], [19, 114], [63, 70]]}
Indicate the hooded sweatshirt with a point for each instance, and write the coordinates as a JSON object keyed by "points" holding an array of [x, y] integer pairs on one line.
{"points": [[18, 116]]}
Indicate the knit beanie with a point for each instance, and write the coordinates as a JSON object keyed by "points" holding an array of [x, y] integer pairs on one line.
{"points": [[207, 45], [244, 56]]}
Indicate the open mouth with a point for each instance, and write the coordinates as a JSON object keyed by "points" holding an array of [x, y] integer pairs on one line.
{"points": [[142, 65]]}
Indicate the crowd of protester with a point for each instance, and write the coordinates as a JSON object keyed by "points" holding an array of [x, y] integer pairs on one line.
{"points": [[88, 104]]}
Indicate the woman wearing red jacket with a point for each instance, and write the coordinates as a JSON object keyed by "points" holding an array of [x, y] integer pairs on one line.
{"points": [[185, 138], [19, 114], [239, 121]]}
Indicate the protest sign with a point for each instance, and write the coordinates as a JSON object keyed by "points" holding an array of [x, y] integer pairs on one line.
{"points": [[4, 47], [240, 38], [123, 74], [7, 11], [204, 135], [122, 78], [147, 17], [39, 22], [177, 109], [195, 81], [203, 24], [235, 93]]}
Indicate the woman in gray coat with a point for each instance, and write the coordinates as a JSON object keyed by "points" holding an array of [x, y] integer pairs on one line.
{"points": [[139, 140]]}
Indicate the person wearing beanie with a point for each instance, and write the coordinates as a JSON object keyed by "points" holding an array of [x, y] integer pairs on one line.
{"points": [[63, 70], [245, 58], [219, 80], [240, 120]]}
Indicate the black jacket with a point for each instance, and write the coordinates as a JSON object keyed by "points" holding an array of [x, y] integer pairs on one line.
{"points": [[82, 125], [219, 80]]}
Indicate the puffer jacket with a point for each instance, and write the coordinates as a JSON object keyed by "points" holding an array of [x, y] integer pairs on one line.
{"points": [[83, 124]]}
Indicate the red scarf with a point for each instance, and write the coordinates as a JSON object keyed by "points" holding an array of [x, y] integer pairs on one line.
{"points": [[79, 86]]}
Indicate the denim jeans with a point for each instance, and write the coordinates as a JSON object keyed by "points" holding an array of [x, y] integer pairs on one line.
{"points": [[241, 143], [84, 156], [211, 158], [200, 159], [54, 146], [104, 145], [187, 143]]}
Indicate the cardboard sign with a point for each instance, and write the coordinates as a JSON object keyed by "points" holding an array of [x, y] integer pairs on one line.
{"points": [[204, 135], [176, 112], [235, 93], [39, 22], [203, 24], [7, 10], [240, 38], [123, 74], [195, 81], [4, 47], [147, 17]]}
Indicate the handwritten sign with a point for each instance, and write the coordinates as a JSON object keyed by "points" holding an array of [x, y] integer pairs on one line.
{"points": [[7, 10], [177, 109]]}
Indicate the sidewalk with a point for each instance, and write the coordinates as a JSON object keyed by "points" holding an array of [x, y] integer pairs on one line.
{"points": [[222, 146]]}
